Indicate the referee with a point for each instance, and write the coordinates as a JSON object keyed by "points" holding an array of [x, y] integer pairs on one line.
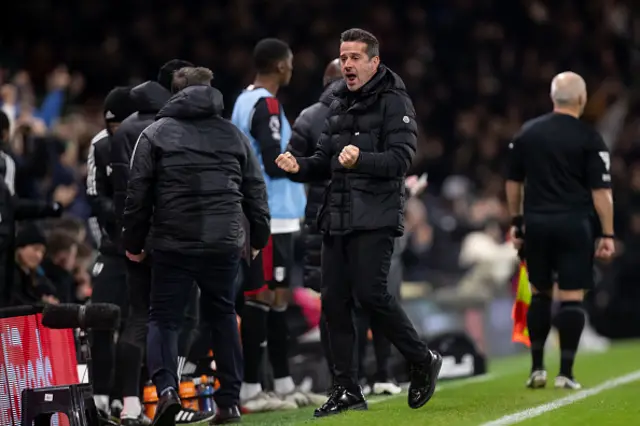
{"points": [[560, 166]]}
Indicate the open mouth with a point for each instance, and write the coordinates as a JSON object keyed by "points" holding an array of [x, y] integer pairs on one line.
{"points": [[351, 78]]}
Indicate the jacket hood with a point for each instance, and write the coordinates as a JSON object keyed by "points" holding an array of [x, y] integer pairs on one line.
{"points": [[383, 80], [194, 102], [149, 97]]}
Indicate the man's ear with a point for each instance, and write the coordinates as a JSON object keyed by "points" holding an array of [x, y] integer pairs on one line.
{"points": [[281, 67], [376, 61]]}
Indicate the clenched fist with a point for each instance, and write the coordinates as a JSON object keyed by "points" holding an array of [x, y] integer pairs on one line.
{"points": [[349, 156], [288, 163]]}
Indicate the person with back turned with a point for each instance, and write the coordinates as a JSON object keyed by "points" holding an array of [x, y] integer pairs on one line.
{"points": [[193, 179], [366, 148], [558, 172], [148, 98]]}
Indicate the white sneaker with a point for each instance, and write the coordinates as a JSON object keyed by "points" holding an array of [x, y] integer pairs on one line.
{"points": [[591, 341], [263, 402], [563, 382], [386, 388], [537, 379]]}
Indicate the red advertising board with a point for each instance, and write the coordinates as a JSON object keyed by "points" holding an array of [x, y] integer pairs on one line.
{"points": [[32, 356]]}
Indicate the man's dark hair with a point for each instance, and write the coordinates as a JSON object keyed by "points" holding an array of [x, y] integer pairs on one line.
{"points": [[59, 242], [268, 52], [165, 75], [357, 34], [191, 76], [69, 224]]}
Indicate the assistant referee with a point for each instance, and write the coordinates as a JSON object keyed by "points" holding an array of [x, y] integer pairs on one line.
{"points": [[560, 166]]}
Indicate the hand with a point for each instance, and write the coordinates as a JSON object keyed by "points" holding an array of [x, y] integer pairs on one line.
{"points": [[416, 184], [60, 78], [517, 242], [349, 156], [288, 163], [49, 299], [254, 253], [136, 257], [606, 248]]}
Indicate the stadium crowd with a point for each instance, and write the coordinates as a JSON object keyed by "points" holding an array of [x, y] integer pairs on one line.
{"points": [[474, 69]]}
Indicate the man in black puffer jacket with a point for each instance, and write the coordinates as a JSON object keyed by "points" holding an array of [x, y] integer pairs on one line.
{"points": [[366, 148], [148, 99], [195, 177]]}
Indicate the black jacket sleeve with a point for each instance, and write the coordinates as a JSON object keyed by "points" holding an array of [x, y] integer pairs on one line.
{"points": [[26, 209], [399, 135], [99, 188], [318, 166], [254, 203], [138, 207], [120, 159], [265, 128]]}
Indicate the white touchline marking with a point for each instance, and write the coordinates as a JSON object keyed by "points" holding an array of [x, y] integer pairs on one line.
{"points": [[558, 403], [444, 386]]}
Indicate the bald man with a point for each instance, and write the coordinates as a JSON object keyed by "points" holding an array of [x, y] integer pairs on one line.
{"points": [[560, 200]]}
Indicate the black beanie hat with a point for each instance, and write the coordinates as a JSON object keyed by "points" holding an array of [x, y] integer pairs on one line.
{"points": [[165, 76], [118, 105], [30, 235]]}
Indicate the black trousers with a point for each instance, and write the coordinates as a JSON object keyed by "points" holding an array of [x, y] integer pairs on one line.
{"points": [[355, 267], [109, 286], [173, 276], [133, 340]]}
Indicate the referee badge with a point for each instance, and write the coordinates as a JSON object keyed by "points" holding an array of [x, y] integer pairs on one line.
{"points": [[279, 273]]}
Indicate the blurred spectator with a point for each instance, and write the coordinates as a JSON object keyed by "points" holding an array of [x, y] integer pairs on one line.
{"points": [[30, 287], [59, 264]]}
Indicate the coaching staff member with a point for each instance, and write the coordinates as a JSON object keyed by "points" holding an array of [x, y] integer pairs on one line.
{"points": [[561, 167], [193, 174], [366, 148]]}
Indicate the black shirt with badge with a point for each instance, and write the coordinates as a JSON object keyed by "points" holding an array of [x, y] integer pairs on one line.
{"points": [[560, 160]]}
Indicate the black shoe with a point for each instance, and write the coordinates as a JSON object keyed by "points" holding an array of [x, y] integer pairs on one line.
{"points": [[423, 380], [226, 416], [187, 416], [342, 400], [168, 406]]}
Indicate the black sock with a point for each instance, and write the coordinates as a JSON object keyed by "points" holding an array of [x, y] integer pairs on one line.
{"points": [[569, 321], [539, 325], [254, 336], [278, 345]]}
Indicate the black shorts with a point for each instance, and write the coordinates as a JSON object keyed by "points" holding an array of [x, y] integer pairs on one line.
{"points": [[109, 281], [253, 276], [560, 248], [278, 260]]}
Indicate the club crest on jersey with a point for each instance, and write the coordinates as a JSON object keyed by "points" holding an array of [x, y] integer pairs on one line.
{"points": [[279, 272]]}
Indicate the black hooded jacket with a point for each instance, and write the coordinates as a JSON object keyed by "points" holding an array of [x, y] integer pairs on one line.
{"points": [[380, 120], [193, 174], [305, 134], [149, 98]]}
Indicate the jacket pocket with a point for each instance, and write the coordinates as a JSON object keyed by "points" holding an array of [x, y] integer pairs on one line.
{"points": [[375, 203]]}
